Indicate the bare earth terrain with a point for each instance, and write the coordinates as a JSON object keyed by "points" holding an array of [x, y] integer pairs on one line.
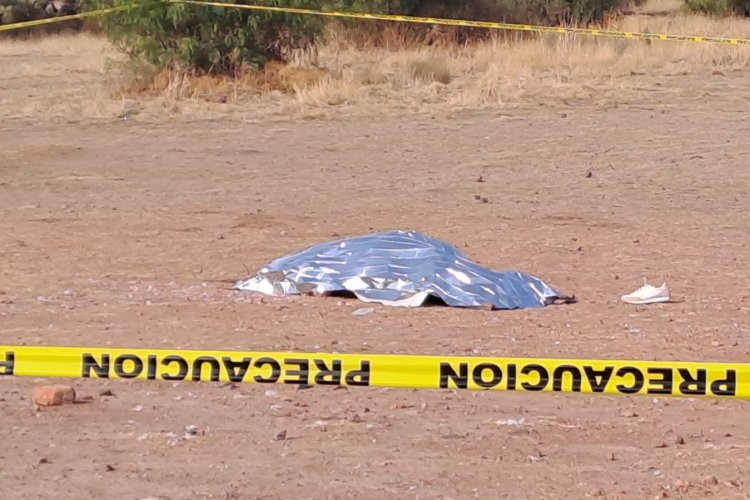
{"points": [[119, 233]]}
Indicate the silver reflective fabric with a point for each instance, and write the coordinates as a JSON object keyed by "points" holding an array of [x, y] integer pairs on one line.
{"points": [[399, 268]]}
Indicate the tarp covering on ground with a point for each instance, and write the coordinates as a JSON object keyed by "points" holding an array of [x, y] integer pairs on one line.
{"points": [[400, 268]]}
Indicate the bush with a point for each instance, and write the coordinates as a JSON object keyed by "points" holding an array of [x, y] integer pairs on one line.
{"points": [[719, 7], [513, 11], [207, 40], [544, 12]]}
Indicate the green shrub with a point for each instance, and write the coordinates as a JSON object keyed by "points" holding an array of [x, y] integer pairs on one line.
{"points": [[205, 39]]}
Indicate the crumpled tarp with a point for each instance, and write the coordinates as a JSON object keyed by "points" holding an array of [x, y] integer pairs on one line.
{"points": [[400, 268]]}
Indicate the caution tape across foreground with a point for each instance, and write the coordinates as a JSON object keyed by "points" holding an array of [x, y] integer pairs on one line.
{"points": [[560, 30], [663, 378]]}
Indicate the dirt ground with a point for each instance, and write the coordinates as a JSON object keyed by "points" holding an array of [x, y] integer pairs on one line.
{"points": [[120, 232]]}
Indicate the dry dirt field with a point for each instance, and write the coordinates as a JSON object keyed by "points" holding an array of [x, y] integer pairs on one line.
{"points": [[123, 232]]}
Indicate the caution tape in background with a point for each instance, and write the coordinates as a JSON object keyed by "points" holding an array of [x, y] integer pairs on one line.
{"points": [[60, 19], [655, 378], [419, 20]]}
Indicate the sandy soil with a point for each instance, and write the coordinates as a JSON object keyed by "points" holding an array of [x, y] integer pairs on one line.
{"points": [[119, 232]]}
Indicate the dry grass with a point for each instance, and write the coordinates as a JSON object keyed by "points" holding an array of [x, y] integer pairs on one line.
{"points": [[74, 76]]}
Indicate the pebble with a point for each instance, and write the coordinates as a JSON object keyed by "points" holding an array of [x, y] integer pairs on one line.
{"points": [[363, 311], [681, 485], [709, 481], [281, 436], [53, 395]]}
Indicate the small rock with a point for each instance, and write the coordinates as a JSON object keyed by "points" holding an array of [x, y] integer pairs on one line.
{"points": [[510, 422], [679, 440], [138, 408], [53, 395], [709, 481], [281, 436], [106, 392], [681, 485], [589, 174], [109, 468], [480, 179], [596, 492], [363, 312], [192, 431]]}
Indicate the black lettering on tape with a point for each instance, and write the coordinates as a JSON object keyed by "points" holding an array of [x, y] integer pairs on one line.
{"points": [[477, 375], [727, 386], [8, 366], [183, 367], [359, 377], [692, 385], [664, 384], [328, 376], [303, 374], [88, 363], [236, 369], [559, 374], [213, 365], [598, 385], [448, 373], [511, 377], [275, 370], [638, 380], [120, 369], [543, 377], [151, 367]]}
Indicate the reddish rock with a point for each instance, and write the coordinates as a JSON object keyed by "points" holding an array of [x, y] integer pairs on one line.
{"points": [[53, 395]]}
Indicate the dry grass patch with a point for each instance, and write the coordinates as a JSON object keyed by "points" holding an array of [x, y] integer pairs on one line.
{"points": [[75, 75]]}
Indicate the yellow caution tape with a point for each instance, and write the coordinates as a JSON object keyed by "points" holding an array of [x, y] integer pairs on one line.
{"points": [[478, 24], [59, 19], [655, 378], [630, 35]]}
